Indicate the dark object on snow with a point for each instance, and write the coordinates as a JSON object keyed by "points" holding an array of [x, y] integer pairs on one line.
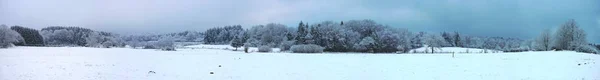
{"points": [[168, 49], [579, 64], [212, 72], [151, 72], [219, 65], [149, 47], [246, 49]]}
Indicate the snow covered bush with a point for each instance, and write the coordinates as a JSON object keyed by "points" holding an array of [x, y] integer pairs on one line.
{"points": [[8, 37], [163, 44], [307, 48], [166, 44], [246, 47], [587, 49], [103, 40], [264, 49], [285, 45]]}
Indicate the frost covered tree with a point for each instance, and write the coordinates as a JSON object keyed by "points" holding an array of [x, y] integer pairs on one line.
{"points": [[103, 40], [364, 27], [334, 37], [543, 42], [8, 37], [569, 36], [166, 44], [222, 35], [366, 44], [269, 35], [418, 39], [435, 41], [63, 36], [392, 40], [58, 37]]}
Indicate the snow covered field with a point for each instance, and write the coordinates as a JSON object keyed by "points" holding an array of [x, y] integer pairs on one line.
{"points": [[78, 63], [452, 50]]}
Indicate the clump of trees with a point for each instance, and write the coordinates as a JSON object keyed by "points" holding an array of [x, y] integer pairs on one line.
{"points": [[222, 35], [162, 41], [30, 36], [77, 36], [103, 40], [237, 42], [568, 37], [355, 36], [8, 37], [272, 35]]}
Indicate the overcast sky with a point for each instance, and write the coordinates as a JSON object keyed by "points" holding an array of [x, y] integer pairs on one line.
{"points": [[507, 18]]}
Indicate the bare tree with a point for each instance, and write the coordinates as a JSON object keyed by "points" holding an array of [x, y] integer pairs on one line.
{"points": [[543, 42], [569, 36]]}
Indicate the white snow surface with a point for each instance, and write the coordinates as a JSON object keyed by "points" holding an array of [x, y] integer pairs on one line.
{"points": [[225, 47], [79, 63], [453, 50]]}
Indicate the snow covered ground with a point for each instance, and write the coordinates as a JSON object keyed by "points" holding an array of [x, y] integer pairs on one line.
{"points": [[78, 63], [225, 47], [453, 50]]}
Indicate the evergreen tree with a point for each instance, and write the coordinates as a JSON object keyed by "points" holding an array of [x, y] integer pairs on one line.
{"points": [[237, 42], [457, 40], [448, 38], [31, 36], [302, 32]]}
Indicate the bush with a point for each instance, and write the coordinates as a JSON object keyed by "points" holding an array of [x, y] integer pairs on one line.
{"points": [[285, 45], [307, 48], [587, 49], [264, 49], [246, 47]]}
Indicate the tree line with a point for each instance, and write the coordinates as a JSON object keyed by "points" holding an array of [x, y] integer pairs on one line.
{"points": [[568, 37], [344, 36], [363, 36]]}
